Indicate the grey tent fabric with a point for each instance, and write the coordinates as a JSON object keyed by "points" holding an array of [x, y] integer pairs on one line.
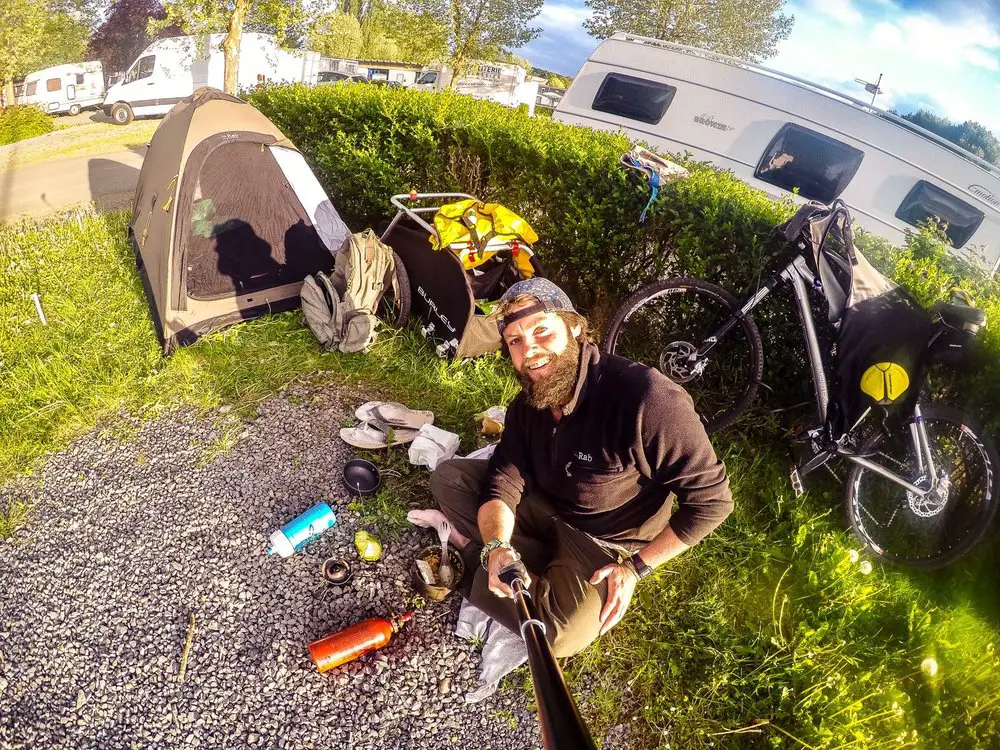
{"points": [[227, 219]]}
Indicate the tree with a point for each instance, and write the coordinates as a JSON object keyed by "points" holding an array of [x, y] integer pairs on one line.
{"points": [[514, 59], [557, 82], [34, 35], [970, 135], [750, 29], [124, 35], [230, 16], [393, 31], [388, 32], [483, 29], [336, 34]]}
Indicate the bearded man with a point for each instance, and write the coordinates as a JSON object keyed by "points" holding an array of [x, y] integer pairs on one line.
{"points": [[581, 487]]}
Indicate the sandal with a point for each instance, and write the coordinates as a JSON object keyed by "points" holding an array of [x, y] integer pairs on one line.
{"points": [[375, 434], [394, 414]]}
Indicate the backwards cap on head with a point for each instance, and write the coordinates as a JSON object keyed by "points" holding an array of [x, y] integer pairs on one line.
{"points": [[550, 299]]}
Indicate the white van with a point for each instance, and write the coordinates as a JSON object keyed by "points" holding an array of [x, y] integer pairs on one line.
{"points": [[788, 136], [173, 68], [63, 88]]}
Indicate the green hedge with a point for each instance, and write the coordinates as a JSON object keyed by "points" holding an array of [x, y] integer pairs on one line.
{"points": [[367, 143], [18, 123]]}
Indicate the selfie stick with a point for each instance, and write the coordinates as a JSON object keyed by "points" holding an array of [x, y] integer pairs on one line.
{"points": [[561, 724]]}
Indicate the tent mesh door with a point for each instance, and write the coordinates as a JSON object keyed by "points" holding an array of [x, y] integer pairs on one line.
{"points": [[247, 230]]}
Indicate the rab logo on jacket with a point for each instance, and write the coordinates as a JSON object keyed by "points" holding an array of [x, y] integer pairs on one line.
{"points": [[586, 457]]}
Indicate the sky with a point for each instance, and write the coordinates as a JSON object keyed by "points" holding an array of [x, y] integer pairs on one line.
{"points": [[942, 55]]}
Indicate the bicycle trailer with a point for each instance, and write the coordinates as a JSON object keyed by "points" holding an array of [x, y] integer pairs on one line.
{"points": [[459, 264]]}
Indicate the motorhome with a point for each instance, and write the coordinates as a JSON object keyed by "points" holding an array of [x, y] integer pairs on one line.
{"points": [[63, 88], [170, 69], [504, 83], [789, 137]]}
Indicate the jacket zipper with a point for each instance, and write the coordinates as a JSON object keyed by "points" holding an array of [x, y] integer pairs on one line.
{"points": [[555, 444]]}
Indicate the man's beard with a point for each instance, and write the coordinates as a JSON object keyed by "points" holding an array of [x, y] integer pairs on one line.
{"points": [[556, 388]]}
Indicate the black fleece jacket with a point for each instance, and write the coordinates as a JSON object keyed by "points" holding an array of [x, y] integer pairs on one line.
{"points": [[628, 442]]}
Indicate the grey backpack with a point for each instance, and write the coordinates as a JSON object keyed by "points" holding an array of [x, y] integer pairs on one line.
{"points": [[340, 309]]}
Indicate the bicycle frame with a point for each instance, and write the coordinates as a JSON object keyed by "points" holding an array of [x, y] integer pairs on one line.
{"points": [[797, 273]]}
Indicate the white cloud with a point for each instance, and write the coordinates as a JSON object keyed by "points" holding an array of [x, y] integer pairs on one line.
{"points": [[981, 59], [928, 38], [887, 36], [564, 44], [839, 10], [952, 62], [557, 18]]}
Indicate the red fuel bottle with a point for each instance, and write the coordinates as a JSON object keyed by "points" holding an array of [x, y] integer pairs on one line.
{"points": [[354, 641]]}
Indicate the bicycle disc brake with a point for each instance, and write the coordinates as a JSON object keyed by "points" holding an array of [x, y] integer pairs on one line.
{"points": [[679, 361], [934, 501]]}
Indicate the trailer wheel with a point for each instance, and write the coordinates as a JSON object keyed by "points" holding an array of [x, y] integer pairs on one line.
{"points": [[74, 110], [121, 114]]}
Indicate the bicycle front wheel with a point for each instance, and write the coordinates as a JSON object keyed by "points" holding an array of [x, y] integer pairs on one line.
{"points": [[932, 530], [664, 324]]}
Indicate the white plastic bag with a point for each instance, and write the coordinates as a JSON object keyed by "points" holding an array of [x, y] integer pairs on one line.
{"points": [[432, 445]]}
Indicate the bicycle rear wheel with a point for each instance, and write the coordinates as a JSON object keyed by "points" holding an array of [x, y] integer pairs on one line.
{"points": [[662, 326], [931, 531], [394, 306]]}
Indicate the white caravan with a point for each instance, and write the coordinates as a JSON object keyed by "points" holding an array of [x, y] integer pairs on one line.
{"points": [[173, 68], [63, 88], [786, 135], [503, 83]]}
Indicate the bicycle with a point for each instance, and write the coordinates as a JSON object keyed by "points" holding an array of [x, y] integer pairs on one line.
{"points": [[922, 485]]}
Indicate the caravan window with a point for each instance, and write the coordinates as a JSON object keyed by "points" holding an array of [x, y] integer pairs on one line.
{"points": [[634, 98], [79, 79], [926, 201], [53, 84], [818, 166], [143, 68], [31, 89]]}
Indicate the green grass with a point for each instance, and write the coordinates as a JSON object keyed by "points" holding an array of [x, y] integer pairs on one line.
{"points": [[88, 139], [12, 518], [769, 634]]}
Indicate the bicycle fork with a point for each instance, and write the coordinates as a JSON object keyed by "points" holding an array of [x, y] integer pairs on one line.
{"points": [[925, 469]]}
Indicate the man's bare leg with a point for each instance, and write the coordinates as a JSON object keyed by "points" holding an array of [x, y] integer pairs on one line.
{"points": [[431, 518]]}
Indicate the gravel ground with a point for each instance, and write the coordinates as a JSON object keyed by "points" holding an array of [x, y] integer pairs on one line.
{"points": [[127, 539]]}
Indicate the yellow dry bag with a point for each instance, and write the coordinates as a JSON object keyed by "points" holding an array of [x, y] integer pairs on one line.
{"points": [[885, 382]]}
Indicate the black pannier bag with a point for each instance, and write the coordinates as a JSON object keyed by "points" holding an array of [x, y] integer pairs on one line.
{"points": [[882, 333]]}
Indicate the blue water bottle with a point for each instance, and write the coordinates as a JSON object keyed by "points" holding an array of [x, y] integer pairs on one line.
{"points": [[300, 530]]}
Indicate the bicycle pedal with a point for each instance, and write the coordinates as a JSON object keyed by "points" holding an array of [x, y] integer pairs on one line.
{"points": [[797, 487]]}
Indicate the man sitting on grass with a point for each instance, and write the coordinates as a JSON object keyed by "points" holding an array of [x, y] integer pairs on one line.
{"points": [[581, 486]]}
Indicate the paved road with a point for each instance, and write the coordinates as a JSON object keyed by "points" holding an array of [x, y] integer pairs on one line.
{"points": [[36, 189]]}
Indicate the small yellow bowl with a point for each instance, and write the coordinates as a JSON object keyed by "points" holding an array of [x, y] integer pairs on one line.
{"points": [[433, 591]]}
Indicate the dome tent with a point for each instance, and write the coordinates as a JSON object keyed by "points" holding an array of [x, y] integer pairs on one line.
{"points": [[227, 219]]}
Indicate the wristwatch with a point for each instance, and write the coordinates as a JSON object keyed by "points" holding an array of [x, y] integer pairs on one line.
{"points": [[639, 565], [484, 556]]}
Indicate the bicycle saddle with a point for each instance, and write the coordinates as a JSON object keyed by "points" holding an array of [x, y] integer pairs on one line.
{"points": [[960, 316]]}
